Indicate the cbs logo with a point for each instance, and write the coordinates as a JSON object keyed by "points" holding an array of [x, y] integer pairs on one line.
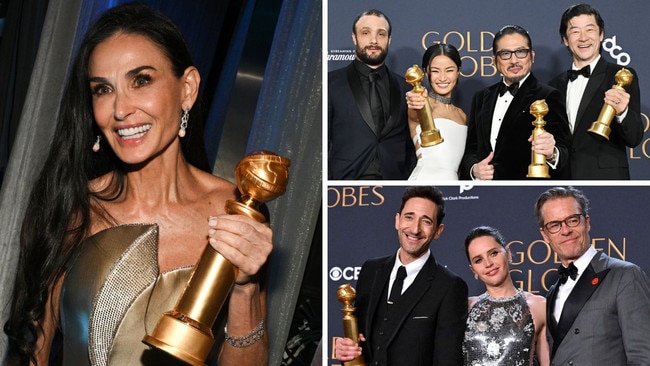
{"points": [[346, 273]]}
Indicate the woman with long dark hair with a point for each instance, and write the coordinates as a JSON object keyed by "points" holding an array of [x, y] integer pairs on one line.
{"points": [[118, 216]]}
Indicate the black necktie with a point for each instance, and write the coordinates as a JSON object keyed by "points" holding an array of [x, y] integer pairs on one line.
{"points": [[564, 273], [573, 74], [503, 88], [396, 290], [375, 102]]}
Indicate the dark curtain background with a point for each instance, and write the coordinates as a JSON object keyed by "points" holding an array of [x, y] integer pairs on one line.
{"points": [[261, 70]]}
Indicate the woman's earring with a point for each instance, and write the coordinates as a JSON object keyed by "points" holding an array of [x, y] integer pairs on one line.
{"points": [[475, 276], [184, 118], [96, 145]]}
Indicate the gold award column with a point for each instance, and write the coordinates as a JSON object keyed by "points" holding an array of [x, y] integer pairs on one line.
{"points": [[186, 331], [430, 135]]}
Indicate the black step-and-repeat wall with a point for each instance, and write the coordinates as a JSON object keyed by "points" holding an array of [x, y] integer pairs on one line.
{"points": [[361, 225], [470, 26]]}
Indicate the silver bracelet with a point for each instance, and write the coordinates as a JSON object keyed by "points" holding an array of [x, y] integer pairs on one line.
{"points": [[247, 340]]}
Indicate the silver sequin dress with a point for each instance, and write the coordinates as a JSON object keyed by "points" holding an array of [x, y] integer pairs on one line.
{"points": [[499, 331]]}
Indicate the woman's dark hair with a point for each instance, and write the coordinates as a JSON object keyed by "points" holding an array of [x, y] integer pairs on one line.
{"points": [[481, 231], [440, 49], [58, 214]]}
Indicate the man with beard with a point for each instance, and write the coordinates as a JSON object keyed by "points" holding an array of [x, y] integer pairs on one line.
{"points": [[410, 309], [368, 136], [499, 136]]}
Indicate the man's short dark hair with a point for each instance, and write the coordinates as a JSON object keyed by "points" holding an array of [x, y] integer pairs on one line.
{"points": [[374, 12], [507, 30], [432, 194], [560, 192], [577, 10]]}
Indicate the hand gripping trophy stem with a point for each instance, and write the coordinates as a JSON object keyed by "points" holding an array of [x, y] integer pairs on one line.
{"points": [[601, 127], [538, 167], [346, 294], [430, 135], [186, 331]]}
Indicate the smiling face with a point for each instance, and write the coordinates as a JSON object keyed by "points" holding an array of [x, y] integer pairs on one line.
{"points": [[416, 226], [488, 260], [443, 75], [570, 242], [513, 69], [583, 38], [371, 39], [137, 100]]}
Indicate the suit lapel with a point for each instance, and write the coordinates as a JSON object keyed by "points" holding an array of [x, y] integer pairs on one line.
{"points": [[379, 284], [586, 286], [395, 102], [360, 98], [596, 79], [411, 297], [489, 102]]}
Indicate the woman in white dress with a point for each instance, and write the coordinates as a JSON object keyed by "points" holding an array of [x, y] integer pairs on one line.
{"points": [[441, 64]]}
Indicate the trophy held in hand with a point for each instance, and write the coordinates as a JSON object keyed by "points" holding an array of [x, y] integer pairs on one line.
{"points": [[186, 331]]}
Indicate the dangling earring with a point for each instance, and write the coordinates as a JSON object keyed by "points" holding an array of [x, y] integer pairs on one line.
{"points": [[184, 118], [96, 145], [475, 276]]}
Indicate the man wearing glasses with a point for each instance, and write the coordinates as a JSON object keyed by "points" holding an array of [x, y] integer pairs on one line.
{"points": [[598, 312], [499, 136]]}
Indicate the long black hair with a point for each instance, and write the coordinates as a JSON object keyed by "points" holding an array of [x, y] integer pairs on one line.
{"points": [[58, 214]]}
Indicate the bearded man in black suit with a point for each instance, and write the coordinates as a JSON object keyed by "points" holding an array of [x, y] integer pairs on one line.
{"points": [[368, 135]]}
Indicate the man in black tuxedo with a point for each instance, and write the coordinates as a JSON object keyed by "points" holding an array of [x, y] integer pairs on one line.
{"points": [[499, 136], [368, 135], [410, 309], [587, 87]]}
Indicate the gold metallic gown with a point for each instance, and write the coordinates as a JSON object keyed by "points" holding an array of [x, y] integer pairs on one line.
{"points": [[113, 295]]}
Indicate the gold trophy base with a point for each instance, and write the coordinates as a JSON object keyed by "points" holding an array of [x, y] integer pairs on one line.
{"points": [[181, 340], [358, 361], [538, 171], [600, 129], [430, 138]]}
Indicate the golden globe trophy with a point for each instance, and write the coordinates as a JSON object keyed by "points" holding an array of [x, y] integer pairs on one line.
{"points": [[186, 331], [346, 294], [430, 135], [538, 167], [601, 126]]}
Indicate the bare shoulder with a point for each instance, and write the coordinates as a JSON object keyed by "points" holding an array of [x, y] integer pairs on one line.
{"points": [[471, 301], [537, 303]]}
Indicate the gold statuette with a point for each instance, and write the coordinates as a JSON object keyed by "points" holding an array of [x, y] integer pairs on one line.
{"points": [[186, 331], [430, 135], [538, 167], [346, 294], [601, 126]]}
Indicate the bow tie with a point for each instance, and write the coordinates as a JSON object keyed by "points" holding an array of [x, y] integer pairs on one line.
{"points": [[573, 74], [565, 273], [503, 88]]}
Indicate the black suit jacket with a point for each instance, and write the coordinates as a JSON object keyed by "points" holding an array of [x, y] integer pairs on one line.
{"points": [[512, 153], [352, 141], [432, 326], [592, 156]]}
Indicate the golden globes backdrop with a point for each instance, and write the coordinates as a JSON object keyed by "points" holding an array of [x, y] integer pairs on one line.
{"points": [[361, 226], [470, 26]]}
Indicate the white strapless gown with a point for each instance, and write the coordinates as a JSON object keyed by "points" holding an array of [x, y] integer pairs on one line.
{"points": [[440, 162]]}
